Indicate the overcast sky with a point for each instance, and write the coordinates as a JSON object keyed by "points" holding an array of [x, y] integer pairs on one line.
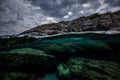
{"points": [[19, 15]]}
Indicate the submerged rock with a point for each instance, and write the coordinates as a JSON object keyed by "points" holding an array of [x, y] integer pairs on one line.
{"points": [[30, 51], [21, 76], [64, 71], [89, 51], [27, 57], [101, 70], [89, 69]]}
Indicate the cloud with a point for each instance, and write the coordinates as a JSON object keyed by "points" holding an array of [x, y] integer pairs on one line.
{"points": [[60, 8], [102, 7], [66, 16], [82, 12], [69, 14], [86, 5], [19, 15]]}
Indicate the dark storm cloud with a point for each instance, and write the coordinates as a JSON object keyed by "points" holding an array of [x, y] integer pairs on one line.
{"points": [[114, 3], [53, 7], [19, 15], [60, 8], [56, 7]]}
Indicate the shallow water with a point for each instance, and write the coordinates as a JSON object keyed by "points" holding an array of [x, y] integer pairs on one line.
{"points": [[89, 46]]}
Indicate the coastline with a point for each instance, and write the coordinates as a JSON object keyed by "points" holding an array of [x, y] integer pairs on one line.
{"points": [[85, 32]]}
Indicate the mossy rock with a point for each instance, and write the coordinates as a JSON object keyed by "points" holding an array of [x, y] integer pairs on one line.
{"points": [[105, 70], [64, 71], [54, 48], [19, 76], [90, 69], [27, 57], [30, 51]]}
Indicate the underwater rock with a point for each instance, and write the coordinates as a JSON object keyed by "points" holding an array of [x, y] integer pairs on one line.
{"points": [[66, 48], [92, 57], [103, 70], [94, 46], [30, 51], [27, 57], [64, 71], [17, 76], [89, 69]]}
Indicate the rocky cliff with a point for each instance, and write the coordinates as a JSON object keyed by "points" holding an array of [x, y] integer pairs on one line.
{"points": [[95, 22]]}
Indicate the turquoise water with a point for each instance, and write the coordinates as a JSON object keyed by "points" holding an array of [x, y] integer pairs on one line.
{"points": [[103, 46], [83, 45]]}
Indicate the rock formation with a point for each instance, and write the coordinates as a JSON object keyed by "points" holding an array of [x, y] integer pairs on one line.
{"points": [[95, 22]]}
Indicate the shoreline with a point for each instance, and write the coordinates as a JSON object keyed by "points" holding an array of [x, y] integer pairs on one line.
{"points": [[42, 35], [85, 32]]}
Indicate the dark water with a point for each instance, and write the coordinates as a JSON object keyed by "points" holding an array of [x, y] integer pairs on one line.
{"points": [[90, 46], [103, 46]]}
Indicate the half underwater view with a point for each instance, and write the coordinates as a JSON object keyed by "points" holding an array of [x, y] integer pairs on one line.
{"points": [[80, 56], [72, 40]]}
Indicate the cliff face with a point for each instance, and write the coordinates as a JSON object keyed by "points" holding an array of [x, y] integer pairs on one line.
{"points": [[95, 22]]}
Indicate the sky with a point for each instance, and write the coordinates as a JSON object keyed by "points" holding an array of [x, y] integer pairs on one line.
{"points": [[17, 16]]}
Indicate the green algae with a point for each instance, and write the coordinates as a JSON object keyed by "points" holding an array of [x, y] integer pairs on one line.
{"points": [[89, 69], [29, 51]]}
